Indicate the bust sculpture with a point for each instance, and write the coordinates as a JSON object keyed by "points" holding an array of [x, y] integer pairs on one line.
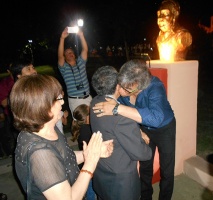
{"points": [[173, 41]]}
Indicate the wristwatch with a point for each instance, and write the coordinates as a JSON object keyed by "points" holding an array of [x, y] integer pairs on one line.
{"points": [[115, 109]]}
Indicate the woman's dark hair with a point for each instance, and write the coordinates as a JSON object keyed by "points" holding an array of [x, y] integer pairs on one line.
{"points": [[31, 100], [17, 66], [79, 118]]}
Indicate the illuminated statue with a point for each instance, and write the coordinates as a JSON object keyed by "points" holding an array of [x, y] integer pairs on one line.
{"points": [[173, 41]]}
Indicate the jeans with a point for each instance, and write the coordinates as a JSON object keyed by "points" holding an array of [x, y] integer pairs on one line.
{"points": [[90, 194], [164, 139]]}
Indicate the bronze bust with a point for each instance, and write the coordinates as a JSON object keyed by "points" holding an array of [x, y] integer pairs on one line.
{"points": [[173, 41]]}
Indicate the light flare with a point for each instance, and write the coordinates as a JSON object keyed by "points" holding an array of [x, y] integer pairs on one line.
{"points": [[167, 51]]}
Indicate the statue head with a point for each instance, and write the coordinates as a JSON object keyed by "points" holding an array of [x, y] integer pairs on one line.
{"points": [[173, 41], [168, 12]]}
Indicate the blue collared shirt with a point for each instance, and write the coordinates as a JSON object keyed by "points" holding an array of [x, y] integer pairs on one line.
{"points": [[152, 105]]}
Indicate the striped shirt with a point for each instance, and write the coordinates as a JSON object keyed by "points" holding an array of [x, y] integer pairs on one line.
{"points": [[75, 77]]}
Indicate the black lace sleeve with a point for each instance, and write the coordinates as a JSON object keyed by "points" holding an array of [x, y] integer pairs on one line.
{"points": [[47, 169]]}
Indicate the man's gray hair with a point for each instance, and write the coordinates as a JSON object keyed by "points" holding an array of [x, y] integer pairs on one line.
{"points": [[134, 71]]}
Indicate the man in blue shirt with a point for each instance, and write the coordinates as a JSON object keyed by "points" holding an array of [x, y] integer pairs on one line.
{"points": [[73, 71], [143, 99]]}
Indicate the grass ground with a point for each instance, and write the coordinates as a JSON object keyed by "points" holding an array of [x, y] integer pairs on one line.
{"points": [[204, 108], [205, 120]]}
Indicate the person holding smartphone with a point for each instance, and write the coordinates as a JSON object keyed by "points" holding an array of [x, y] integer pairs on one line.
{"points": [[73, 70]]}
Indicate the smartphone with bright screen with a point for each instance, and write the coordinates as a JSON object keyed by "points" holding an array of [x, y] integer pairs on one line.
{"points": [[73, 29]]}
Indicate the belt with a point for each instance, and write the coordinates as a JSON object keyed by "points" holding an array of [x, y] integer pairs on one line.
{"points": [[84, 97]]}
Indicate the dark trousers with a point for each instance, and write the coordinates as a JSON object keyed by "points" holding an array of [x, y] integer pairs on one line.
{"points": [[164, 139], [5, 147]]}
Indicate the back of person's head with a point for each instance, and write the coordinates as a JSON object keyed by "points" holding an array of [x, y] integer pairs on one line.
{"points": [[31, 100], [80, 115], [134, 71], [17, 66], [104, 80]]}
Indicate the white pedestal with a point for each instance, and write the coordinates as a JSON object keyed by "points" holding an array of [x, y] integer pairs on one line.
{"points": [[182, 89]]}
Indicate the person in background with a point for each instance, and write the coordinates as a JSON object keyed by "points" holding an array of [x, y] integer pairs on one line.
{"points": [[6, 85], [143, 99], [81, 131], [73, 71], [45, 164], [174, 39], [62, 121], [116, 177], [16, 70], [22, 67]]}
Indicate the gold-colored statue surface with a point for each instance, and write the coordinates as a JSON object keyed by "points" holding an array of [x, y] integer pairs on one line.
{"points": [[173, 41]]}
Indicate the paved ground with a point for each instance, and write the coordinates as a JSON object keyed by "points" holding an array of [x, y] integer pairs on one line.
{"points": [[185, 188]]}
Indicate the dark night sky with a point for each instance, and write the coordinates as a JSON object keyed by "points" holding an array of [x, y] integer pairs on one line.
{"points": [[36, 19]]}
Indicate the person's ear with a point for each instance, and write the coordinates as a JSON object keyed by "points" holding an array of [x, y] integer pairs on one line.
{"points": [[117, 93], [117, 87]]}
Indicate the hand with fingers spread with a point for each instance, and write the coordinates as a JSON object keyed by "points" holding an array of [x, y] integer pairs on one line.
{"points": [[95, 149]]}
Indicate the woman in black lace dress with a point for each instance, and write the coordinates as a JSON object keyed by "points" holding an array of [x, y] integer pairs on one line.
{"points": [[45, 164]]}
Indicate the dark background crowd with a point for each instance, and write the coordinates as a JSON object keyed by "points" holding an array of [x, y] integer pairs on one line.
{"points": [[33, 29]]}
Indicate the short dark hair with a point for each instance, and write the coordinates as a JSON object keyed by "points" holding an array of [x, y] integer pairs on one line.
{"points": [[31, 100], [104, 80], [17, 66], [134, 71]]}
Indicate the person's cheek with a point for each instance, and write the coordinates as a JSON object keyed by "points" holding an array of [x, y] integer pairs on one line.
{"points": [[123, 94]]}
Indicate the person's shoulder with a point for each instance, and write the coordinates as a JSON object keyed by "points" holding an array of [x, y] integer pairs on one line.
{"points": [[182, 30], [98, 98], [25, 142], [155, 79], [7, 81], [63, 66], [94, 101], [156, 82], [80, 60]]}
